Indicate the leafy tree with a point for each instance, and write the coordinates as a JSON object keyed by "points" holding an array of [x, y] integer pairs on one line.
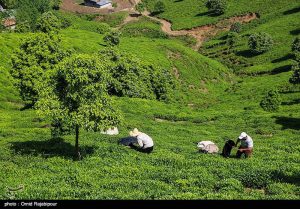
{"points": [[112, 38], [132, 77], [271, 101], [48, 22], [260, 42], [140, 7], [236, 27], [76, 93], [159, 7], [216, 7], [38, 53]]}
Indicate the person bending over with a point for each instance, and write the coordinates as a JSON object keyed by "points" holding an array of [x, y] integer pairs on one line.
{"points": [[246, 146], [144, 141]]}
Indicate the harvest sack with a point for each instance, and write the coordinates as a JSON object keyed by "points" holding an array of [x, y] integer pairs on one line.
{"points": [[207, 147], [111, 131], [128, 140], [229, 144]]}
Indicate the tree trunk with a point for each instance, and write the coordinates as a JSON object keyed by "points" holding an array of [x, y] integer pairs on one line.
{"points": [[77, 153]]}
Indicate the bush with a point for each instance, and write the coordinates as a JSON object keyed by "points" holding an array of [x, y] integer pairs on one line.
{"points": [[296, 45], [159, 7], [280, 189], [48, 22], [216, 7], [23, 27], [132, 77], [140, 7], [55, 4], [295, 79], [102, 28], [232, 39], [236, 27], [112, 38], [229, 185], [260, 42], [271, 101]]}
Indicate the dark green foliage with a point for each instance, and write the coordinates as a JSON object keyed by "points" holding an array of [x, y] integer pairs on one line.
{"points": [[296, 45], [132, 77], [260, 42], [280, 189], [271, 101], [30, 10], [159, 7], [216, 7], [8, 4], [140, 7], [236, 27], [55, 4], [295, 79], [37, 54], [48, 22], [232, 39], [112, 38], [76, 94]]}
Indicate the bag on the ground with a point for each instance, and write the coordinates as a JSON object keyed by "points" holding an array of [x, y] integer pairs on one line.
{"points": [[128, 140], [229, 144], [207, 147]]}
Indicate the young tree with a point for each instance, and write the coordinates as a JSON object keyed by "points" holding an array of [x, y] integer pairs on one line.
{"points": [[159, 7], [232, 39], [48, 22], [260, 42], [296, 45], [236, 27], [216, 7], [76, 93], [112, 38], [295, 79], [38, 53], [271, 102]]}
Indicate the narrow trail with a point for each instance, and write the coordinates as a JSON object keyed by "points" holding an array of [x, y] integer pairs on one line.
{"points": [[201, 33]]}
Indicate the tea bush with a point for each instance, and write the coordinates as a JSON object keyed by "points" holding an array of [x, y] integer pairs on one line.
{"points": [[271, 101]]}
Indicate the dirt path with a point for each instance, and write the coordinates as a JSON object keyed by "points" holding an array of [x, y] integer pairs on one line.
{"points": [[202, 33]]}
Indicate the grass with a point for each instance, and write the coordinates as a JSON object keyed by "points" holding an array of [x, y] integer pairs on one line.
{"points": [[191, 13], [216, 105]]}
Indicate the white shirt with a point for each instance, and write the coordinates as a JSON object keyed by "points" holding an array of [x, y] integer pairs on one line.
{"points": [[144, 140], [247, 143]]}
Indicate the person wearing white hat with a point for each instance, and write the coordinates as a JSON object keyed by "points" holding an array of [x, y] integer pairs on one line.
{"points": [[246, 146], [145, 142]]}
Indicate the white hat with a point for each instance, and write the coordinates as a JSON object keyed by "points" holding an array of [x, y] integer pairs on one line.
{"points": [[135, 132], [243, 135]]}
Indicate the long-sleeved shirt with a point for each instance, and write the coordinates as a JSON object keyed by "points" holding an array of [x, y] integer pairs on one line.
{"points": [[248, 143], [144, 140]]}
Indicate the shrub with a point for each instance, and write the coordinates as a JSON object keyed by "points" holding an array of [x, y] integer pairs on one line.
{"points": [[260, 42], [236, 27], [140, 7], [112, 38], [271, 101], [295, 79], [102, 28], [55, 4], [23, 27], [159, 7], [296, 45], [280, 188], [216, 7], [229, 185], [232, 39], [48, 22]]}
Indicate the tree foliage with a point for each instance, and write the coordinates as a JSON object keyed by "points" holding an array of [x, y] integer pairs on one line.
{"points": [[236, 27], [8, 4], [112, 38], [38, 53], [133, 77], [260, 42], [48, 22], [216, 7], [272, 100], [140, 7], [159, 7], [76, 94]]}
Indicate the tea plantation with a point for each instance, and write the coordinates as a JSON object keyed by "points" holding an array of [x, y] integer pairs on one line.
{"points": [[218, 95]]}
